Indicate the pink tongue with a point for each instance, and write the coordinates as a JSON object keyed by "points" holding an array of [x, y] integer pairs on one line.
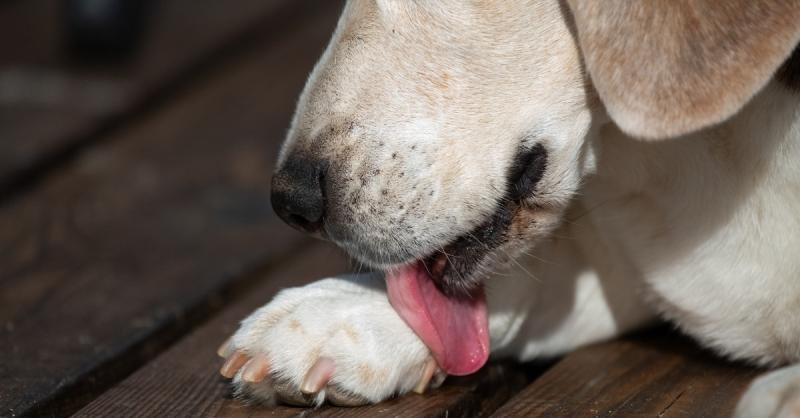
{"points": [[455, 330]]}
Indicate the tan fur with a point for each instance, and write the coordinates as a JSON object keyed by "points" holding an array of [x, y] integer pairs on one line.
{"points": [[421, 109], [669, 67]]}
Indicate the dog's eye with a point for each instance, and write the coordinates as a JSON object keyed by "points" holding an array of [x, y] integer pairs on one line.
{"points": [[526, 172]]}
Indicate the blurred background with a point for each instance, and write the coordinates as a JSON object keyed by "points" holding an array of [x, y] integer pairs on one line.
{"points": [[137, 140]]}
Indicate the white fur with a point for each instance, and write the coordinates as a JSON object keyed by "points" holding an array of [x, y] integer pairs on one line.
{"points": [[344, 319], [710, 222], [775, 394], [701, 229]]}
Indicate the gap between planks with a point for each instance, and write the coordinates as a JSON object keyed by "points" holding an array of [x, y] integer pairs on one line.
{"points": [[134, 243], [151, 88]]}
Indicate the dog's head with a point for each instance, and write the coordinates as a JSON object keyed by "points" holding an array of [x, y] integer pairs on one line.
{"points": [[455, 131]]}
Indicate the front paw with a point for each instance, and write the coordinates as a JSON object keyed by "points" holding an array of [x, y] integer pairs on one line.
{"points": [[774, 395], [337, 340]]}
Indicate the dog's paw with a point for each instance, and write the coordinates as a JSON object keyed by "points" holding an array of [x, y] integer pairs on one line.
{"points": [[337, 340], [774, 395]]}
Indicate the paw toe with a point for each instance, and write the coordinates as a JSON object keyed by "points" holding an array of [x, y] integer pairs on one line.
{"points": [[318, 376], [233, 364], [256, 369]]}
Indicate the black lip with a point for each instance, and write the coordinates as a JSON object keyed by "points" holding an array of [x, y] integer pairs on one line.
{"points": [[526, 172], [465, 254]]}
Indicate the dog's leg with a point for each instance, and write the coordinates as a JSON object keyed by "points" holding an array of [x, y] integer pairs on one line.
{"points": [[775, 394]]}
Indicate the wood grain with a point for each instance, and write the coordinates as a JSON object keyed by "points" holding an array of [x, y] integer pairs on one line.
{"points": [[658, 374], [473, 396], [184, 380], [52, 106], [139, 239]]}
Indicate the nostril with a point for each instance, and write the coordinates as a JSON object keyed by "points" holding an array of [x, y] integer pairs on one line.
{"points": [[299, 208], [304, 224], [298, 195], [297, 219]]}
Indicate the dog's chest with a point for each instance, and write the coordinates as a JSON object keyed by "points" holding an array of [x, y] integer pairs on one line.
{"points": [[710, 221]]}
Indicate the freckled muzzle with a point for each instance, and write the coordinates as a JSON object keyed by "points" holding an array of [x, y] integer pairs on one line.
{"points": [[301, 197], [332, 201], [453, 268]]}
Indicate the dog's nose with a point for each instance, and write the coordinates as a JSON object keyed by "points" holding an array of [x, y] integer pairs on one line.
{"points": [[298, 193]]}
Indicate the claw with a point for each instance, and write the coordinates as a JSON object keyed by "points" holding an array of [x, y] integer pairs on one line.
{"points": [[233, 364], [224, 350], [427, 375], [438, 378], [317, 376], [256, 369]]}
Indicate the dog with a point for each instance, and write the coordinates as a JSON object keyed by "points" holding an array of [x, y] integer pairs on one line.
{"points": [[531, 176]]}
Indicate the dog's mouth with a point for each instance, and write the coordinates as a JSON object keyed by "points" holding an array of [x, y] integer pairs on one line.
{"points": [[441, 296], [455, 329]]}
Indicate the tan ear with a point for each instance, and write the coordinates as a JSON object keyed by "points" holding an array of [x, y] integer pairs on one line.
{"points": [[668, 67]]}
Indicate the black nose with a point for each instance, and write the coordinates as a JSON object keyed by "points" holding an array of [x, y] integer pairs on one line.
{"points": [[298, 193]]}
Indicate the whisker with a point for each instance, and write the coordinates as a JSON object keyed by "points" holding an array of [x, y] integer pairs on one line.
{"points": [[514, 260], [461, 277]]}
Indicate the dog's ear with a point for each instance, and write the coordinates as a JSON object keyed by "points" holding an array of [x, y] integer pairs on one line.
{"points": [[668, 67]]}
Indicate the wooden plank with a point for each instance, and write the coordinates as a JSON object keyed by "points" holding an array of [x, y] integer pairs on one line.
{"points": [[184, 380], [658, 374], [473, 396], [138, 240], [52, 106]]}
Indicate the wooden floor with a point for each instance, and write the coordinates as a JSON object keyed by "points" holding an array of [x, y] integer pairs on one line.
{"points": [[135, 231]]}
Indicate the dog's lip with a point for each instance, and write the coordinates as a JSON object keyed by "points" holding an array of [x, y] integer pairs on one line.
{"points": [[436, 264], [446, 274], [355, 249], [452, 265]]}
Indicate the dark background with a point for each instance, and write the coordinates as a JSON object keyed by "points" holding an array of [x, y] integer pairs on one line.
{"points": [[137, 140]]}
